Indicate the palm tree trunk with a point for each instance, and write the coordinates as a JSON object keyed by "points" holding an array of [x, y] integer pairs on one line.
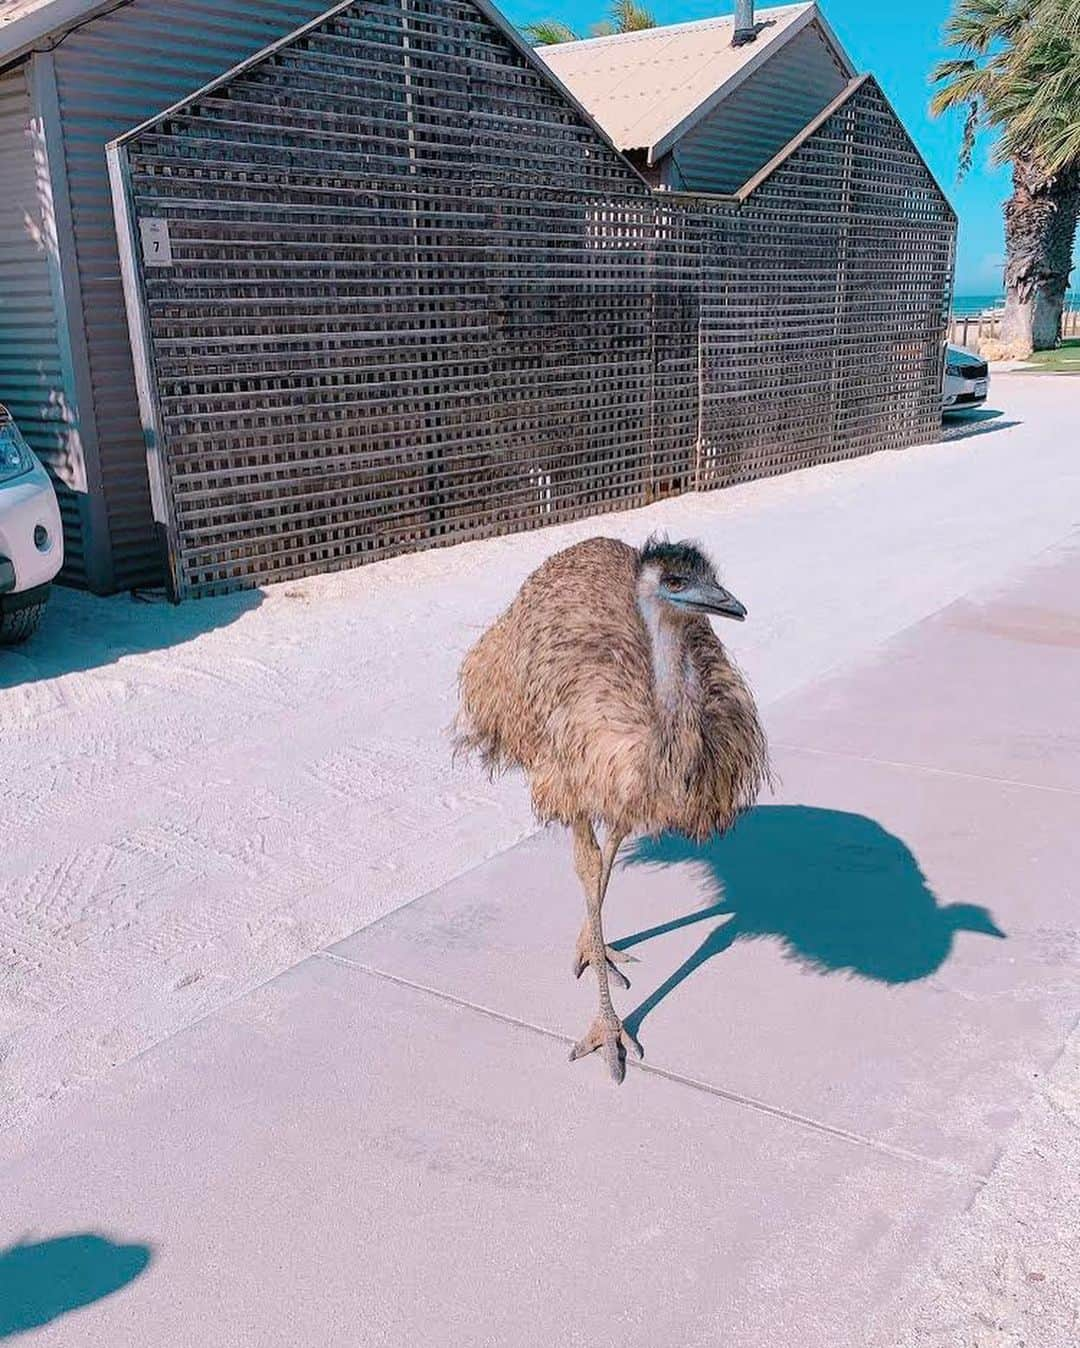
{"points": [[1040, 226]]}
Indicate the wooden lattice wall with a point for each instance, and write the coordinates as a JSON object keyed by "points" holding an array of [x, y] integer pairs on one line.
{"points": [[415, 298]]}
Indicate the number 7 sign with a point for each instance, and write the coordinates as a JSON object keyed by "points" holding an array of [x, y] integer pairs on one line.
{"points": [[156, 246]]}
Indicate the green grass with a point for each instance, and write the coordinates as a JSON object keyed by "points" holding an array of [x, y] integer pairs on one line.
{"points": [[1064, 360]]}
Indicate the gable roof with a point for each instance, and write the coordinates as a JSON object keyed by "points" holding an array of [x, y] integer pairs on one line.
{"points": [[10, 10], [26, 24], [648, 88]]}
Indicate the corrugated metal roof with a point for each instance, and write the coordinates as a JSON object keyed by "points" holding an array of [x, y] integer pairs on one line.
{"points": [[646, 89], [26, 23], [15, 9]]}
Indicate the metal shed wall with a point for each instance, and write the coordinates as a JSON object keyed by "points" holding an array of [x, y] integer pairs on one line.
{"points": [[415, 297], [757, 119], [110, 75], [35, 372]]}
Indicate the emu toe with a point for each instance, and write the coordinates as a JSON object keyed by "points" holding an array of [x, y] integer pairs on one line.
{"points": [[583, 960], [614, 1039]]}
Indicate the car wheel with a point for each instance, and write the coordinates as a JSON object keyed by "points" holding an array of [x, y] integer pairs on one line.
{"points": [[20, 624]]}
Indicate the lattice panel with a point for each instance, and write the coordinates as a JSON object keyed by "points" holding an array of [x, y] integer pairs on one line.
{"points": [[822, 317], [415, 298]]}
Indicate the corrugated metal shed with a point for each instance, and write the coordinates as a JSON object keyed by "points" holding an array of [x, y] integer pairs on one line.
{"points": [[109, 66], [35, 359], [30, 361], [110, 75], [647, 89]]}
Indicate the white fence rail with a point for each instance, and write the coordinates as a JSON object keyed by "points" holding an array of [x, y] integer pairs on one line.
{"points": [[970, 330]]}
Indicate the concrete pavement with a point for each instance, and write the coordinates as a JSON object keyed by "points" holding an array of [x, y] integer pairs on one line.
{"points": [[194, 799], [855, 1008]]}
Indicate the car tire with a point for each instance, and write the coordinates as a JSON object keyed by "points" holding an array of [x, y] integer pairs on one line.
{"points": [[19, 625]]}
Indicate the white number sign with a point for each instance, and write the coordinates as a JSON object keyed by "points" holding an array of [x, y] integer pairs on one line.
{"points": [[156, 247]]}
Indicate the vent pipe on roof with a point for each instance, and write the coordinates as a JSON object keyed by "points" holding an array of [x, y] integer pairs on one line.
{"points": [[745, 30]]}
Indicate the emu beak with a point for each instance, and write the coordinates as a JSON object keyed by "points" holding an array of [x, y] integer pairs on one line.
{"points": [[714, 599]]}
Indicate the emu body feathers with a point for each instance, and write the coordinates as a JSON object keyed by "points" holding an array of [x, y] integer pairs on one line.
{"points": [[643, 725]]}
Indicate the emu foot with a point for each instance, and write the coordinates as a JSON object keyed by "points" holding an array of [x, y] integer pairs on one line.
{"points": [[614, 1039], [583, 958]]}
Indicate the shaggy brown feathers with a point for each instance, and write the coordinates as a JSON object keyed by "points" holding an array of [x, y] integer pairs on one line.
{"points": [[563, 686]]}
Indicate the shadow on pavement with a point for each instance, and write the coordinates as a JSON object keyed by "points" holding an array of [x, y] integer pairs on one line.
{"points": [[41, 1281], [82, 631], [962, 423], [836, 890]]}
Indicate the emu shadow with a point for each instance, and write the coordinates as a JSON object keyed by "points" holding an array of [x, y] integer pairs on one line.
{"points": [[81, 631], [41, 1281], [838, 892]]}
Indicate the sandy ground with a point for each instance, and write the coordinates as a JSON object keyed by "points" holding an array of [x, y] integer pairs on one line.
{"points": [[1005, 1275], [194, 799]]}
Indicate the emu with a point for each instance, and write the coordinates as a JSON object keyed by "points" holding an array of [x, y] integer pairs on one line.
{"points": [[603, 682]]}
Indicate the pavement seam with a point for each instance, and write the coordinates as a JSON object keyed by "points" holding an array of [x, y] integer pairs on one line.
{"points": [[923, 767], [732, 1097]]}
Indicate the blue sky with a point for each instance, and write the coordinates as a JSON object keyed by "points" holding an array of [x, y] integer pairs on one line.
{"points": [[898, 43]]}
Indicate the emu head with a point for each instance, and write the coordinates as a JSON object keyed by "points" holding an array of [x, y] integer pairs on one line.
{"points": [[971, 917], [681, 578]]}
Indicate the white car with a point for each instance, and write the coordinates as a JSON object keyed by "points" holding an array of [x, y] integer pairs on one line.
{"points": [[31, 537], [967, 379]]}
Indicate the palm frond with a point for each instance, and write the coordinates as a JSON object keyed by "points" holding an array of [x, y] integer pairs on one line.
{"points": [[947, 70], [1044, 119], [1016, 72], [1038, 107], [1061, 148], [961, 90], [548, 32], [630, 17], [977, 25]]}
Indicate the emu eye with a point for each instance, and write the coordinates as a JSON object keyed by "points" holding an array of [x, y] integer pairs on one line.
{"points": [[675, 583]]}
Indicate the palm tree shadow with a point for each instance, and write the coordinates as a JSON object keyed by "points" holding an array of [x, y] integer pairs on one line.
{"points": [[43, 1280], [836, 890]]}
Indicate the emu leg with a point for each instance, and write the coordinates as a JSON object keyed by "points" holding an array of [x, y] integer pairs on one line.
{"points": [[594, 871], [607, 1031], [583, 958]]}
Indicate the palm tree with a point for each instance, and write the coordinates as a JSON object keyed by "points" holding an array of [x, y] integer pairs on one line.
{"points": [[1018, 75], [549, 32], [1045, 103], [626, 17]]}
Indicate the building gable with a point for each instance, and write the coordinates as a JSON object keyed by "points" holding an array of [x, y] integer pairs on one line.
{"points": [[896, 180], [649, 89], [758, 118], [429, 271]]}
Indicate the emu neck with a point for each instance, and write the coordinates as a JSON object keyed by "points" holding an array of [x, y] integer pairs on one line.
{"points": [[672, 671]]}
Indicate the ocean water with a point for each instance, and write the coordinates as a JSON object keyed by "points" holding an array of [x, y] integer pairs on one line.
{"points": [[975, 304]]}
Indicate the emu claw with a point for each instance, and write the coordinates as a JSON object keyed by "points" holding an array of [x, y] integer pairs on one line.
{"points": [[583, 960], [614, 1038]]}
